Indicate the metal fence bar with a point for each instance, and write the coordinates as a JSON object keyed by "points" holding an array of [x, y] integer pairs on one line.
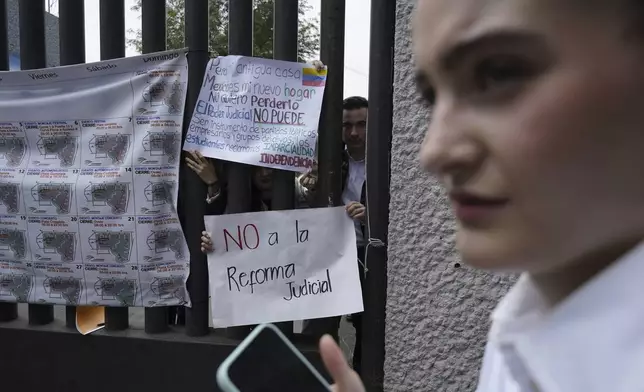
{"points": [[4, 37], [383, 24], [33, 56], [112, 28], [8, 311], [330, 128], [71, 21], [285, 14], [153, 25], [32, 34], [240, 42], [194, 190], [71, 25], [330, 134], [153, 34]]}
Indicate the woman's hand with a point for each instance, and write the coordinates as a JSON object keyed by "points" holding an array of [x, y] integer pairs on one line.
{"points": [[206, 242], [309, 181], [319, 65], [344, 378], [202, 166]]}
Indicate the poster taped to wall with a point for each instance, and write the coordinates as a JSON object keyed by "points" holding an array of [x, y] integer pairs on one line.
{"points": [[259, 112], [282, 265], [89, 166]]}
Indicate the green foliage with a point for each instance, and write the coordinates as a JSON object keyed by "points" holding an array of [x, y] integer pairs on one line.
{"points": [[308, 32]]}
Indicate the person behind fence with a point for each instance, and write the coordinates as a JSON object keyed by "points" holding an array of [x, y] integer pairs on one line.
{"points": [[536, 133], [213, 176], [354, 136], [261, 197]]}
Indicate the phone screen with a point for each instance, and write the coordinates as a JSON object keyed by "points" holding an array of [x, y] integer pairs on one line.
{"points": [[268, 364]]}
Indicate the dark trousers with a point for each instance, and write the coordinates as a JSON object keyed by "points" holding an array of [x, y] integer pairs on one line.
{"points": [[356, 318], [322, 326]]}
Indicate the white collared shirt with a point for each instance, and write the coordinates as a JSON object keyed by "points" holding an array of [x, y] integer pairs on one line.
{"points": [[593, 341], [353, 192]]}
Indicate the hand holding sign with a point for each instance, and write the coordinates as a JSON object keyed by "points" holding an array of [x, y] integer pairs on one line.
{"points": [[319, 65], [206, 242], [356, 211]]}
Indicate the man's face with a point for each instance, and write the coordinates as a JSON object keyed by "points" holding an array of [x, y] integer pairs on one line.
{"points": [[354, 128]]}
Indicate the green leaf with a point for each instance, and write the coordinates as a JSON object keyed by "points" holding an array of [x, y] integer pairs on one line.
{"points": [[308, 32]]}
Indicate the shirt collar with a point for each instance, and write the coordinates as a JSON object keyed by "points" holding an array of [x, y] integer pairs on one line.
{"points": [[593, 341], [351, 159]]}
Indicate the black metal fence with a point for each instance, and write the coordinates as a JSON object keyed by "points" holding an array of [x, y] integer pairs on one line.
{"points": [[39, 353]]}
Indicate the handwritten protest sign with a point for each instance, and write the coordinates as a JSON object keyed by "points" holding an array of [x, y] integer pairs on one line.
{"points": [[258, 111], [282, 265]]}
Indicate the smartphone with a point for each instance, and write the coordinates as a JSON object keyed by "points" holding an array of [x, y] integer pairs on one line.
{"points": [[267, 361]]}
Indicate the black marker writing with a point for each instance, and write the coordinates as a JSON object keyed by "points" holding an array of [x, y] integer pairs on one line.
{"points": [[258, 276], [309, 287]]}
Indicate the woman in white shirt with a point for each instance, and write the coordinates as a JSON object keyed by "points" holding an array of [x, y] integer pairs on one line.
{"points": [[537, 133]]}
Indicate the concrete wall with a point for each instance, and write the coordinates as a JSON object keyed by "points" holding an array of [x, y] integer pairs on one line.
{"points": [[51, 34], [437, 309]]}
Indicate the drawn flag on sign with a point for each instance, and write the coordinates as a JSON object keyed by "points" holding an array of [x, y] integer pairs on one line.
{"points": [[311, 77]]}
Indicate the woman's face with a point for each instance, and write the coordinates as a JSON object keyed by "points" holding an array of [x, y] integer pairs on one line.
{"points": [[537, 127], [263, 179]]}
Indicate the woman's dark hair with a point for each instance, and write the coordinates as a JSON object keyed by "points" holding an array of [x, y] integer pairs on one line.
{"points": [[634, 12]]}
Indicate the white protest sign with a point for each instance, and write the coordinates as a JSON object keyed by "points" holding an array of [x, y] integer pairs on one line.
{"points": [[258, 111], [89, 161], [282, 265]]}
